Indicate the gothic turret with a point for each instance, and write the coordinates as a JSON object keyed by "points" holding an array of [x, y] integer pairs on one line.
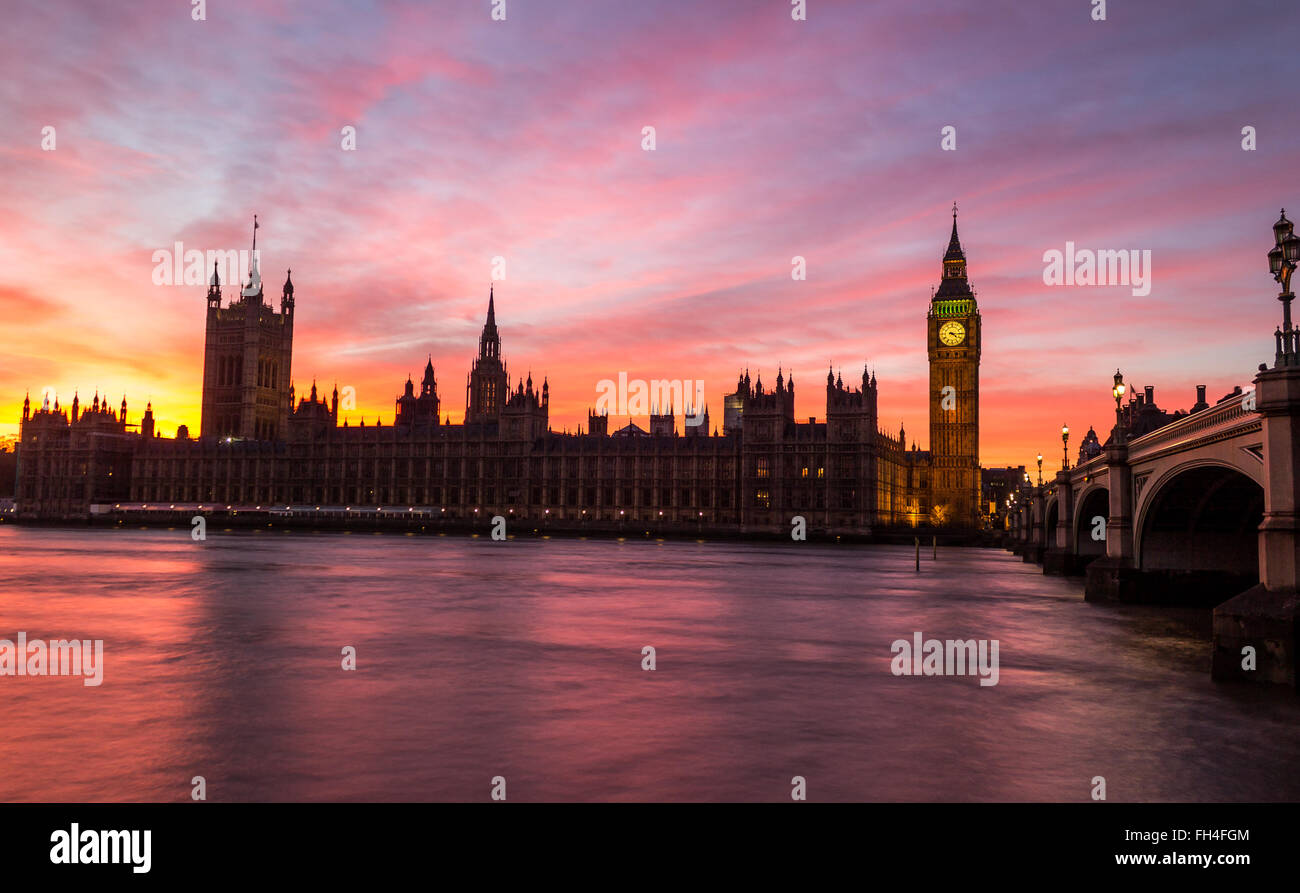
{"points": [[486, 388], [286, 295], [214, 288]]}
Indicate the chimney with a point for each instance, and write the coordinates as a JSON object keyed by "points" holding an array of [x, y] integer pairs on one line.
{"points": [[1200, 393], [1151, 395]]}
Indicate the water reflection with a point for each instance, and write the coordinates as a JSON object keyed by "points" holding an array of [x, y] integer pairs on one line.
{"points": [[523, 659]]}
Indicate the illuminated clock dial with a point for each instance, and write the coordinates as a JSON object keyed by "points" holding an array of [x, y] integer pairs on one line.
{"points": [[952, 333]]}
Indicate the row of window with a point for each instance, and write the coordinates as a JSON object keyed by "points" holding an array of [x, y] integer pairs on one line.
{"points": [[436, 468], [573, 497], [844, 498]]}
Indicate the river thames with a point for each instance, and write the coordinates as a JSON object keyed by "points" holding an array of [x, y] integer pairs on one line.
{"points": [[523, 659]]}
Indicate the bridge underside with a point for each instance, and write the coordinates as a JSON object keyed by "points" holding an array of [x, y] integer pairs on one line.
{"points": [[1197, 542], [1200, 542], [1086, 538]]}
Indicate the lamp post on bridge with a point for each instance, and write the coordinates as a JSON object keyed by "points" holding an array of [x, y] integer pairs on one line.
{"points": [[1035, 501], [1113, 577], [1058, 557], [1118, 390], [1267, 616], [1282, 263]]}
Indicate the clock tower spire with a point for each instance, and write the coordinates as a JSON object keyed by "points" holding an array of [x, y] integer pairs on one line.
{"points": [[954, 342]]}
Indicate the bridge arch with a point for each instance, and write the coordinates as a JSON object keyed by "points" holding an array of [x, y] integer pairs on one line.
{"points": [[1093, 501], [1201, 517]]}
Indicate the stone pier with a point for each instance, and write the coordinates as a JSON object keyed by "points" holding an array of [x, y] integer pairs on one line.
{"points": [[1259, 626]]}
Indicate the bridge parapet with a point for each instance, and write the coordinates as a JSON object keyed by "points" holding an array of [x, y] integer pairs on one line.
{"points": [[1086, 471], [1225, 419]]}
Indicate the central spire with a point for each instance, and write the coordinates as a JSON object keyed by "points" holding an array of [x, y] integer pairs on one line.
{"points": [[489, 343], [954, 252], [954, 283]]}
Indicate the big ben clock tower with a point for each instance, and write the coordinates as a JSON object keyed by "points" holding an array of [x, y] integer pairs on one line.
{"points": [[954, 341]]}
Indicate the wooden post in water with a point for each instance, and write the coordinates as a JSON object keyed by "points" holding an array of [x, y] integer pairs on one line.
{"points": [[935, 544], [917, 540]]}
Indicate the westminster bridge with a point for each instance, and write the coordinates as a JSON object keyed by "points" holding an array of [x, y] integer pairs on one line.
{"points": [[1203, 510]]}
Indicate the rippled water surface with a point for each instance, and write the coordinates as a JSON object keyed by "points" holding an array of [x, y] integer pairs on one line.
{"points": [[523, 659]]}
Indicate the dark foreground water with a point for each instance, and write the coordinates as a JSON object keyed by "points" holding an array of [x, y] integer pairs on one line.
{"points": [[523, 660]]}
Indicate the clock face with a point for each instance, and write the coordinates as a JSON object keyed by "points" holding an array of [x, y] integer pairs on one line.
{"points": [[952, 333]]}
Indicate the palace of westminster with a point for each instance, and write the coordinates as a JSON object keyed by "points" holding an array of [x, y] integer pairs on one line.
{"points": [[258, 450]]}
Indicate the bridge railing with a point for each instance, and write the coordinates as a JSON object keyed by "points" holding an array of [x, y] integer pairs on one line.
{"points": [[1225, 416], [1089, 467]]}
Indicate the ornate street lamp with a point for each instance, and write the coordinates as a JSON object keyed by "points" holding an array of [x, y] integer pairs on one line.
{"points": [[1065, 447], [1040, 469], [1282, 263], [1118, 390]]}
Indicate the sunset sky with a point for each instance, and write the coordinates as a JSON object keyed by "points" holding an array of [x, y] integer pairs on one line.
{"points": [[522, 139]]}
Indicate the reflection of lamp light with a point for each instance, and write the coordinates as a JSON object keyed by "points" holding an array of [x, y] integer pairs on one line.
{"points": [[1065, 447]]}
